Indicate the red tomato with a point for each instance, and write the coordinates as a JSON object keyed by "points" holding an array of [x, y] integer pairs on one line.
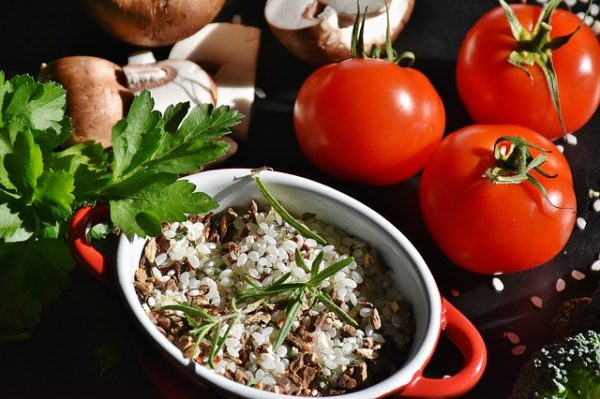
{"points": [[368, 120], [486, 227], [495, 91]]}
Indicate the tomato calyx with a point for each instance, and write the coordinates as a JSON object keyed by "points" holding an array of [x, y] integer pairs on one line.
{"points": [[514, 164], [357, 47], [535, 48]]}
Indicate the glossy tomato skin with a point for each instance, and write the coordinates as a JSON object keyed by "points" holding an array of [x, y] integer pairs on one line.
{"points": [[489, 228], [368, 120], [495, 91]]}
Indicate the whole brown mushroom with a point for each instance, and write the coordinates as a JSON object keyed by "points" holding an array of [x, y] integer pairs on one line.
{"points": [[152, 23], [97, 95]]}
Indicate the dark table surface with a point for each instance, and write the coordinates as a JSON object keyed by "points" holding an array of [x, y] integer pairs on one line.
{"points": [[86, 345]]}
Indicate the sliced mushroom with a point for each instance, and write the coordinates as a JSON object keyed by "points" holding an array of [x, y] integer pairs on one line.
{"points": [[97, 95], [320, 31], [230, 52]]}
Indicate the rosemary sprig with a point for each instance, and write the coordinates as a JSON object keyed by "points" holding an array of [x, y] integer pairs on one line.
{"points": [[199, 330], [292, 221], [299, 293]]}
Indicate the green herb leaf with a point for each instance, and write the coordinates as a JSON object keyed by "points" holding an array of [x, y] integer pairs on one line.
{"points": [[37, 107], [300, 262], [331, 270], [296, 224], [128, 135], [190, 310], [316, 264], [99, 231], [24, 165], [31, 275], [10, 222], [220, 342], [327, 301], [53, 196], [270, 290], [290, 317], [165, 202], [144, 140], [281, 279]]}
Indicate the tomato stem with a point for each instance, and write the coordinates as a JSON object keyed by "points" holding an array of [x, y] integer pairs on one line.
{"points": [[535, 48], [515, 163], [357, 45]]}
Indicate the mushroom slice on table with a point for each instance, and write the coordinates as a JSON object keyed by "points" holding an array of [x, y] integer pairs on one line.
{"points": [[320, 31]]}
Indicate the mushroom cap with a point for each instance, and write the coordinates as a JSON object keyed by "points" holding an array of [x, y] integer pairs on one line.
{"points": [[152, 23], [320, 31], [97, 95]]}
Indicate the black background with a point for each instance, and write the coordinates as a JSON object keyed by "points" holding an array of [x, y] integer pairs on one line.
{"points": [[86, 345]]}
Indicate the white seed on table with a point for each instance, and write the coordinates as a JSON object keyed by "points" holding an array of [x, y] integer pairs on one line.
{"points": [[595, 9], [519, 350], [571, 139], [561, 148], [595, 267], [512, 337], [596, 205], [577, 275], [498, 284], [560, 285], [581, 223], [537, 301]]}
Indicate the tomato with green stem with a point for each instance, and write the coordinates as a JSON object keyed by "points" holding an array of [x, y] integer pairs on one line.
{"points": [[530, 66], [498, 198], [369, 120]]}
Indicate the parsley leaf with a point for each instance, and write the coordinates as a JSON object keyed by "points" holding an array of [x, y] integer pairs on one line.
{"points": [[142, 214], [9, 222], [24, 165], [31, 276], [41, 184]]}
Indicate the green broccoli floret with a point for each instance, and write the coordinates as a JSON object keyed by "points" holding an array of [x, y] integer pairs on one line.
{"points": [[569, 369]]}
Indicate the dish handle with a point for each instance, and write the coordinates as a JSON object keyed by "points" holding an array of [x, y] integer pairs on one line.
{"points": [[83, 252], [465, 336]]}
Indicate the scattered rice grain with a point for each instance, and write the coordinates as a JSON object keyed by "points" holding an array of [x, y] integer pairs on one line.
{"points": [[577, 275], [498, 284], [537, 301]]}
